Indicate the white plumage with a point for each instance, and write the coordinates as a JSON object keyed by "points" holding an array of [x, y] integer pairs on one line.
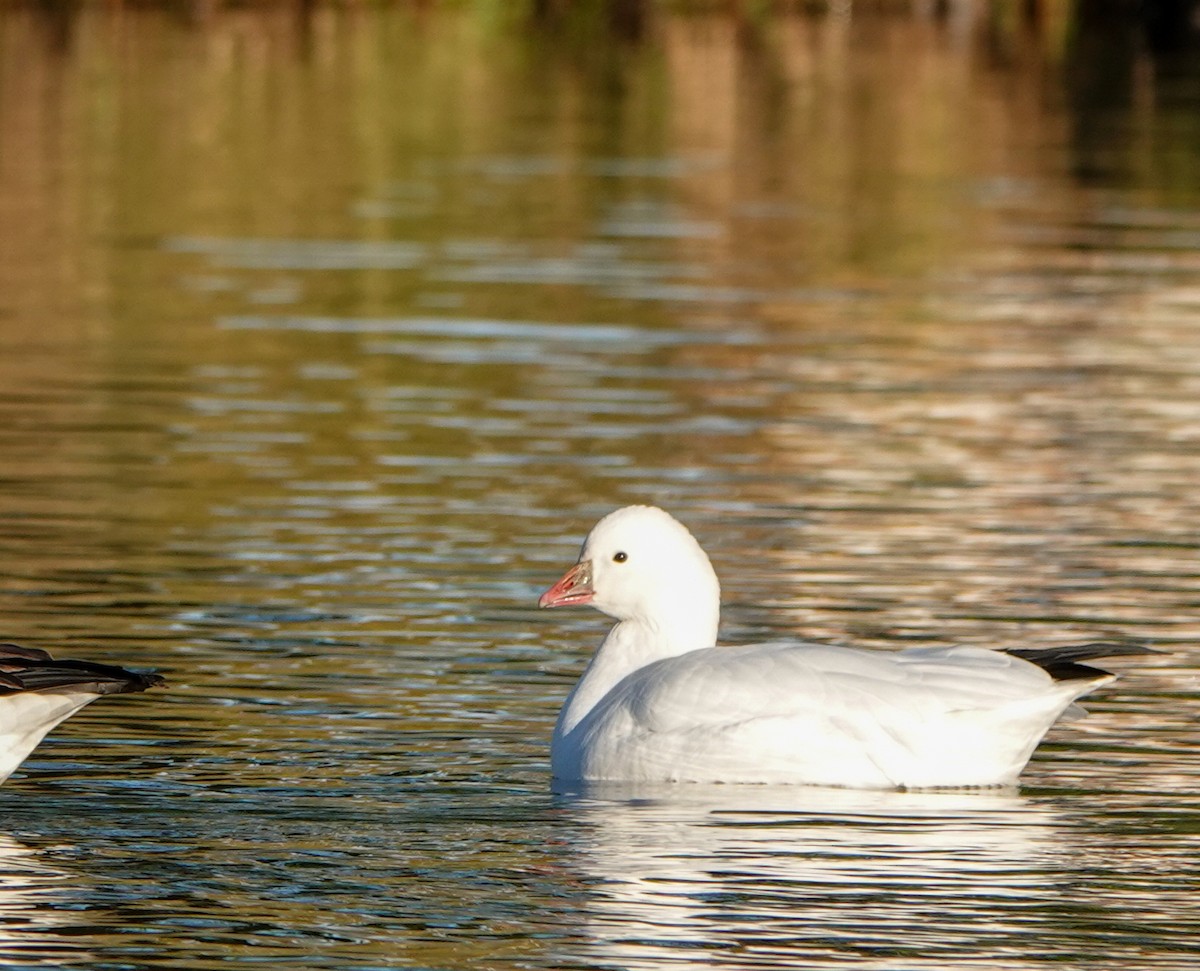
{"points": [[659, 703]]}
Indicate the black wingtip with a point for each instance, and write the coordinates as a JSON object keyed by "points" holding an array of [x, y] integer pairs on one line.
{"points": [[18, 652], [131, 682], [32, 669], [1066, 663], [148, 679]]}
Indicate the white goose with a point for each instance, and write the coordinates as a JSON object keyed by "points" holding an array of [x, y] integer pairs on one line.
{"points": [[660, 703], [37, 692]]}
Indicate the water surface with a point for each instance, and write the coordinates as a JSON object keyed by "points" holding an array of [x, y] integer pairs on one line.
{"points": [[325, 341]]}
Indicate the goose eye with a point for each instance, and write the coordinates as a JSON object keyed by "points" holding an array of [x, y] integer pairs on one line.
{"points": [[620, 557]]}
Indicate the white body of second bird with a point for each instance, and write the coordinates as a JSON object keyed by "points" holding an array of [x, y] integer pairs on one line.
{"points": [[660, 703]]}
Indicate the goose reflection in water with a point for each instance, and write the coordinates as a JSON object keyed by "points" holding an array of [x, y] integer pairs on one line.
{"points": [[30, 924], [732, 876]]}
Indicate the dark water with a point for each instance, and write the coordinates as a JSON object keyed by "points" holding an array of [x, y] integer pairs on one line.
{"points": [[325, 340]]}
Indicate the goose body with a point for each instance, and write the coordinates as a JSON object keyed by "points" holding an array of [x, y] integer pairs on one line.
{"points": [[659, 702], [37, 693]]}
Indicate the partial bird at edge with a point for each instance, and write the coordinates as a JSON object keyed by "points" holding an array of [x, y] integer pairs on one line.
{"points": [[38, 692]]}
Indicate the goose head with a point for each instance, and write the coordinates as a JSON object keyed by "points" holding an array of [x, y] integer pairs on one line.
{"points": [[640, 563]]}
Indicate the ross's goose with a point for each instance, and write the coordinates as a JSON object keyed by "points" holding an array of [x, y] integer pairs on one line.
{"points": [[37, 692], [660, 703]]}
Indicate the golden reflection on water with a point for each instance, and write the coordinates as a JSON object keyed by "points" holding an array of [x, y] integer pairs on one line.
{"points": [[29, 923], [741, 876], [326, 338]]}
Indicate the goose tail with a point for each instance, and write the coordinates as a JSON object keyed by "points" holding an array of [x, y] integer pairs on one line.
{"points": [[1067, 663]]}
